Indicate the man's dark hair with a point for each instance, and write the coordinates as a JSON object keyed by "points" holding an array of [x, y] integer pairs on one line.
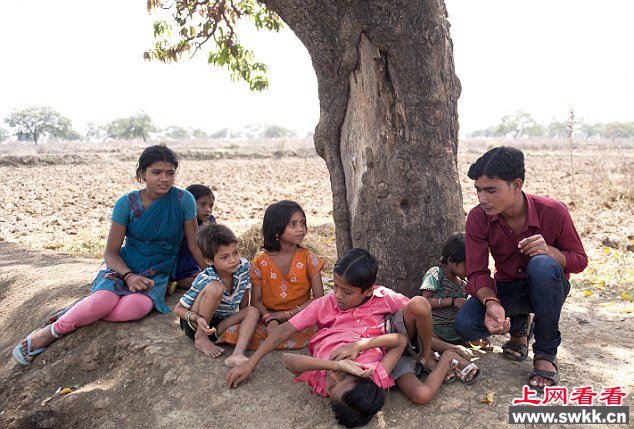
{"points": [[358, 267], [359, 404], [276, 218], [502, 162], [211, 236], [454, 248], [199, 191]]}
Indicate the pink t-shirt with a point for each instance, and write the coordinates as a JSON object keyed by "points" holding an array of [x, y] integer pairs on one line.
{"points": [[338, 328]]}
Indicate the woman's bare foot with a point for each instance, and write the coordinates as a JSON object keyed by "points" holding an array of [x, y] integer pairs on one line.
{"points": [[204, 344], [39, 339], [235, 360]]}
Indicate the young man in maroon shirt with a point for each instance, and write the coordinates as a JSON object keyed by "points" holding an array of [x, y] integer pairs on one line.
{"points": [[535, 247]]}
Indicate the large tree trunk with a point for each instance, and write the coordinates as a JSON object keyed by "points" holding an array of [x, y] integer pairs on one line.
{"points": [[388, 129]]}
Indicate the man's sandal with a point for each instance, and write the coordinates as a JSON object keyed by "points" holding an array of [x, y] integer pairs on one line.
{"points": [[549, 375], [509, 347], [462, 374]]}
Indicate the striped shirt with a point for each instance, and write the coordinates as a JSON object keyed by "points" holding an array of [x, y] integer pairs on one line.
{"points": [[230, 302], [442, 288]]}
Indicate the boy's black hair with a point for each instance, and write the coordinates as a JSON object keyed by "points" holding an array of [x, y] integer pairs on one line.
{"points": [[359, 404], [358, 267], [276, 218], [454, 249], [502, 162], [211, 236], [153, 154], [199, 191]]}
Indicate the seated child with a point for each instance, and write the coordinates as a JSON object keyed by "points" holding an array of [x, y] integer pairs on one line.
{"points": [[186, 267], [285, 274], [351, 326], [219, 296], [443, 286]]}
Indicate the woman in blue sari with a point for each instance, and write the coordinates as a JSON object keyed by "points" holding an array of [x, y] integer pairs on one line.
{"points": [[134, 276]]}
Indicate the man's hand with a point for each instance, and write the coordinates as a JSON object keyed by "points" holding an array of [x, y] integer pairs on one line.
{"points": [[533, 246], [238, 374], [495, 320]]}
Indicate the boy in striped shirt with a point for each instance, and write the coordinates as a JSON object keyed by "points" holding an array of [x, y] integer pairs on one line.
{"points": [[219, 296]]}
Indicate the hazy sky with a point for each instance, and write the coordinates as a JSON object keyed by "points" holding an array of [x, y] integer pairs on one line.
{"points": [[84, 59]]}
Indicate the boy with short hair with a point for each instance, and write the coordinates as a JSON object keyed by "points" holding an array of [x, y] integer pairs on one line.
{"points": [[352, 331], [219, 296], [535, 247]]}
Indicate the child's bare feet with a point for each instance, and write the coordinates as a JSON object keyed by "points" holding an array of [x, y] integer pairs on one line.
{"points": [[204, 344], [235, 360], [431, 364]]}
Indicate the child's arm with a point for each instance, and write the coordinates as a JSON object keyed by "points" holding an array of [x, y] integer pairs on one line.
{"points": [[239, 373], [300, 363], [395, 343], [256, 301], [191, 228], [245, 300]]}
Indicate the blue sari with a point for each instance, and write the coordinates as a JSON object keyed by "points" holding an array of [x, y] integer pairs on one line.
{"points": [[153, 238]]}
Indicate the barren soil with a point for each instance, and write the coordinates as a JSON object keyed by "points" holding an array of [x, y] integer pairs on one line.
{"points": [[53, 221]]}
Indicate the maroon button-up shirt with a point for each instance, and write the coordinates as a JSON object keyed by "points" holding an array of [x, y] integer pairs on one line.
{"points": [[484, 233]]}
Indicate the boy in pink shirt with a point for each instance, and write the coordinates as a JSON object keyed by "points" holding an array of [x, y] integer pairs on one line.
{"points": [[353, 356]]}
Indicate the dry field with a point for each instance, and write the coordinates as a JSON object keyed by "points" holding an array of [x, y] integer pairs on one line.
{"points": [[55, 204]]}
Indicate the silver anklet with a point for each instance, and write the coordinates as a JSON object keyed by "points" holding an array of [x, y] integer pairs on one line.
{"points": [[55, 333]]}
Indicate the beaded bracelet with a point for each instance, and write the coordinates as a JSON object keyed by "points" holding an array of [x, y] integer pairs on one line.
{"points": [[189, 313]]}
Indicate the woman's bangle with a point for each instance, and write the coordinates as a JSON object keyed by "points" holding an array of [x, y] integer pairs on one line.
{"points": [[125, 275], [266, 318], [271, 319], [439, 302], [189, 322], [298, 309], [453, 301]]}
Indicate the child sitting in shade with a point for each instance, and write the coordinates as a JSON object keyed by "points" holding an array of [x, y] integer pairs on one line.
{"points": [[219, 297]]}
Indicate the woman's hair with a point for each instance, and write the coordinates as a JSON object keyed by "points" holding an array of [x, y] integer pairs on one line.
{"points": [[454, 248], [153, 154], [276, 218], [358, 267], [502, 162], [359, 404], [211, 236], [199, 191]]}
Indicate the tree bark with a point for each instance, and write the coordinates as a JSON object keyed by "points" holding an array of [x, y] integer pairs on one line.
{"points": [[388, 127]]}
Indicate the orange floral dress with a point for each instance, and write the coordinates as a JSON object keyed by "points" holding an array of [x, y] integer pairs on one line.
{"points": [[281, 293]]}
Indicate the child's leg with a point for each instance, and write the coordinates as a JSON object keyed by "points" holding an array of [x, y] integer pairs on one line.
{"points": [[206, 304], [130, 307], [248, 319], [418, 322]]}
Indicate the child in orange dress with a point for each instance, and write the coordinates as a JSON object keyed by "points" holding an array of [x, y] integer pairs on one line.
{"points": [[284, 275]]}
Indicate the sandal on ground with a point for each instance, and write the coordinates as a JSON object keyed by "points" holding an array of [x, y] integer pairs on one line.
{"points": [[54, 317], [20, 357], [521, 349], [549, 375], [462, 374]]}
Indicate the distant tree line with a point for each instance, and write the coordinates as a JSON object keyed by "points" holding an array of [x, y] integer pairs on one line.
{"points": [[35, 123], [522, 125]]}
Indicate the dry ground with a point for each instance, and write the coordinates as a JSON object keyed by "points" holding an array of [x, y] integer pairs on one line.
{"points": [[53, 221]]}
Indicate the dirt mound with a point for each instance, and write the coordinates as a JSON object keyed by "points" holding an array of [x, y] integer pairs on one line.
{"points": [[147, 374]]}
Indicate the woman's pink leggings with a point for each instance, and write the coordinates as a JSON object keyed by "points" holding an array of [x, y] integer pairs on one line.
{"points": [[104, 305]]}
